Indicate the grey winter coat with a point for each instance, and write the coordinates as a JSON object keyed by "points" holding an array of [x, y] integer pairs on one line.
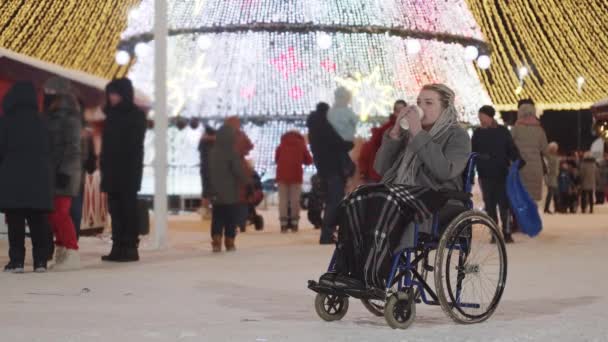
{"points": [[64, 127], [531, 142], [442, 160], [226, 171]]}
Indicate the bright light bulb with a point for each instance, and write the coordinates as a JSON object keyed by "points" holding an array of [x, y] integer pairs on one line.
{"points": [[413, 46], [580, 80], [471, 52], [483, 62], [142, 50], [324, 41], [203, 43], [122, 57], [523, 72]]}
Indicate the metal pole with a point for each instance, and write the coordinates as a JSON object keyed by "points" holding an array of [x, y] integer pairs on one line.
{"points": [[160, 123]]}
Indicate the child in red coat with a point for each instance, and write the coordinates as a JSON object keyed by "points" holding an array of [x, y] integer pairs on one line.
{"points": [[290, 156]]}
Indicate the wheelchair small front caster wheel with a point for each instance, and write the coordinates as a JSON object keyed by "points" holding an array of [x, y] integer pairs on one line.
{"points": [[331, 307], [400, 310]]}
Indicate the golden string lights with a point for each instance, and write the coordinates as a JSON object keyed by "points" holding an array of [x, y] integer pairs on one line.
{"points": [[551, 50], [80, 35]]}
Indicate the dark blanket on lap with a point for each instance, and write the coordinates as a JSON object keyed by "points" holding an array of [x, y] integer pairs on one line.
{"points": [[371, 221]]}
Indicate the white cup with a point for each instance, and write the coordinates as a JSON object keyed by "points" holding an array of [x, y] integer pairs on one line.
{"points": [[404, 124]]}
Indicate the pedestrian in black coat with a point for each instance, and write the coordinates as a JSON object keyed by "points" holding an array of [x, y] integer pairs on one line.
{"points": [[121, 164], [204, 149], [334, 166], [25, 175], [497, 149]]}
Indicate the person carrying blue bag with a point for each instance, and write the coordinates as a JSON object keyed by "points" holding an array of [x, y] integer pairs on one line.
{"points": [[497, 151], [523, 205]]}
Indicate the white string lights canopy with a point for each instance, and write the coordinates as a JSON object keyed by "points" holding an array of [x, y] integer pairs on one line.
{"points": [[274, 58]]}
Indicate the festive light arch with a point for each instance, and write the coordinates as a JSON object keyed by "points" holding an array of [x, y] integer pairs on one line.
{"points": [[561, 42], [277, 58]]}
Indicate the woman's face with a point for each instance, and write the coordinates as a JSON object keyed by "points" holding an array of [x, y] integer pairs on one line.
{"points": [[430, 103]]}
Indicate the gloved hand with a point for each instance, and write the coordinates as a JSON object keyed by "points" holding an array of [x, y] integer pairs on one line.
{"points": [[62, 180]]}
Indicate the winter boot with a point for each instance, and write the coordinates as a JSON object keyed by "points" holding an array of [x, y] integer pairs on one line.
{"points": [[216, 243], [509, 238], [59, 254], [40, 266], [115, 253], [129, 254], [294, 226], [14, 267], [70, 262], [229, 243]]}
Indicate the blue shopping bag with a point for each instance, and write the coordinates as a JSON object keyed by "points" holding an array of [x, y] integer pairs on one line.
{"points": [[523, 206]]}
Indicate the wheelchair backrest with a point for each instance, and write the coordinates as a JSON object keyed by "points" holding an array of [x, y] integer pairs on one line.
{"points": [[468, 175]]}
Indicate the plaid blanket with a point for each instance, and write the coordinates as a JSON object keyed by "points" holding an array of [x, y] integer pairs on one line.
{"points": [[372, 220]]}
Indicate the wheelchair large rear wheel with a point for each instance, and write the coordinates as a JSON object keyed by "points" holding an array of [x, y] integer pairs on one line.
{"points": [[470, 270]]}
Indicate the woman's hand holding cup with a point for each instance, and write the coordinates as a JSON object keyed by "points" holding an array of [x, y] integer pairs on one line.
{"points": [[413, 119]]}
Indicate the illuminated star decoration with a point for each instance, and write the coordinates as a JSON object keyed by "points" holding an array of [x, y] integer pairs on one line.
{"points": [[187, 85], [370, 96], [287, 63]]}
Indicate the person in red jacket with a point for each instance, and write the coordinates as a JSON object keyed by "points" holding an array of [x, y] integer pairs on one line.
{"points": [[291, 154], [369, 149]]}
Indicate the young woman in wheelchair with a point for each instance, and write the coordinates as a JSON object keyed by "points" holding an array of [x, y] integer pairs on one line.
{"points": [[432, 153], [382, 257]]}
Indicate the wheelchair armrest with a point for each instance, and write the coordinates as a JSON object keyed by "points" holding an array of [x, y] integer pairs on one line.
{"points": [[457, 195]]}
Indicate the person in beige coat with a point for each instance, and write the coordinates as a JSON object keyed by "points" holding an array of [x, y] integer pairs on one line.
{"points": [[552, 161], [589, 172], [531, 141]]}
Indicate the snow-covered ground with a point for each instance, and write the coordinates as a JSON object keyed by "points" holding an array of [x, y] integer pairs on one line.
{"points": [[556, 291]]}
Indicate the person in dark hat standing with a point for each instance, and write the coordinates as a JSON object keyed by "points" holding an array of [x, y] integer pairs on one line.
{"points": [[497, 150], [121, 164], [25, 176], [63, 114]]}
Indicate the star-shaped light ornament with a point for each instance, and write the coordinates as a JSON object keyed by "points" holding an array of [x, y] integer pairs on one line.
{"points": [[187, 86], [371, 97]]}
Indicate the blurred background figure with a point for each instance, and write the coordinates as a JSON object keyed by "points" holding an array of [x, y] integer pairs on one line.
{"points": [[25, 176], [588, 174], [291, 155], [531, 142], [65, 125], [204, 147], [552, 162], [121, 162]]}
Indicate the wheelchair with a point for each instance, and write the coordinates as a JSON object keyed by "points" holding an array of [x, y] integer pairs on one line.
{"points": [[469, 270]]}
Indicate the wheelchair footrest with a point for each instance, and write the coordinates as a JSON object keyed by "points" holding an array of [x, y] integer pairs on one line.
{"points": [[359, 293]]}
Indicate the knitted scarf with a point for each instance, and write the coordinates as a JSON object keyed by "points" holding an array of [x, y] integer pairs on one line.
{"points": [[405, 171]]}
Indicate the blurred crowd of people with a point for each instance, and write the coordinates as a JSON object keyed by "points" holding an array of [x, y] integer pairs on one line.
{"points": [[45, 150]]}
